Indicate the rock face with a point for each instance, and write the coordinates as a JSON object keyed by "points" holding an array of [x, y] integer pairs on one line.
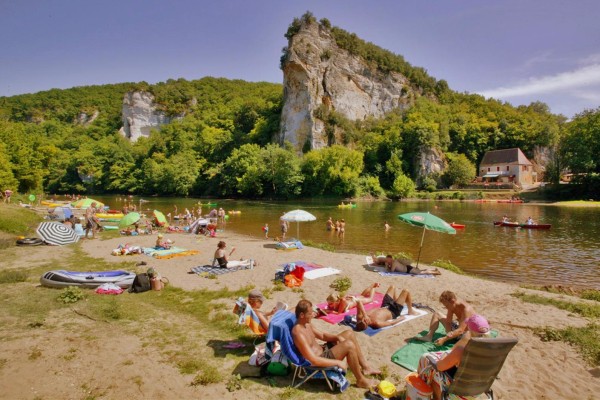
{"points": [[85, 119], [430, 162], [320, 77], [140, 115]]}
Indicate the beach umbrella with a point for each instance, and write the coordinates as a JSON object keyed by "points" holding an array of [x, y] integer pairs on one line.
{"points": [[428, 222], [129, 218], [56, 233], [298, 216], [85, 203], [160, 217]]}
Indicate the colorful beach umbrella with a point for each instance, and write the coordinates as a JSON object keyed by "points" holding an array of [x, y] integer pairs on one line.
{"points": [[160, 218], [298, 216], [56, 233], [428, 222], [85, 203], [128, 219]]}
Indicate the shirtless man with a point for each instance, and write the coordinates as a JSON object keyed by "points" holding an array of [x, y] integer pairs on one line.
{"points": [[91, 222], [340, 350], [339, 305], [389, 313], [395, 265], [454, 329]]}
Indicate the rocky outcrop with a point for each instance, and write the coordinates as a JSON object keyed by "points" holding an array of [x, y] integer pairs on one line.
{"points": [[430, 162], [85, 119], [140, 115], [319, 77]]}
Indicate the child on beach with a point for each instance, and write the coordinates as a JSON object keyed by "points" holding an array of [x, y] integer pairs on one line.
{"points": [[266, 230]]}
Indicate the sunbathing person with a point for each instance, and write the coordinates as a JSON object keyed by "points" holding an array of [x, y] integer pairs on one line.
{"points": [[256, 300], [162, 245], [339, 305], [456, 307], [395, 265], [340, 350], [437, 369], [394, 301], [221, 256]]}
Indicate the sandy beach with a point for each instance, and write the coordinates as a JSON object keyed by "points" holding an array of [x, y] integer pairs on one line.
{"points": [[533, 370]]}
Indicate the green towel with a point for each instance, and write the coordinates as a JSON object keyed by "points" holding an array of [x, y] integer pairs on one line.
{"points": [[408, 355]]}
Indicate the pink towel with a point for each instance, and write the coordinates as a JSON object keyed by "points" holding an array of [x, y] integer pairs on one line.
{"points": [[335, 318]]}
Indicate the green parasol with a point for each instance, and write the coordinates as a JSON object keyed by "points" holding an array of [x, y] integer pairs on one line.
{"points": [[160, 218], [428, 222], [85, 203], [128, 219]]}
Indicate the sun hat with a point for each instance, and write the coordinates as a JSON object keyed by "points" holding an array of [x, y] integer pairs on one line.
{"points": [[477, 323], [256, 294], [160, 235]]}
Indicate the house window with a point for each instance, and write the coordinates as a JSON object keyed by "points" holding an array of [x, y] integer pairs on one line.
{"points": [[524, 168], [497, 168], [507, 168], [489, 169]]}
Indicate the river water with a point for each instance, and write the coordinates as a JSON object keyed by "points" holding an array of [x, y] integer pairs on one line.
{"points": [[567, 254]]}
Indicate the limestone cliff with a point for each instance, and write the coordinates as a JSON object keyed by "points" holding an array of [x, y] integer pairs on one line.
{"points": [[140, 115], [320, 77]]}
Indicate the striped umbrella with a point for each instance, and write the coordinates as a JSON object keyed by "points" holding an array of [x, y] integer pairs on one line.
{"points": [[56, 233]]}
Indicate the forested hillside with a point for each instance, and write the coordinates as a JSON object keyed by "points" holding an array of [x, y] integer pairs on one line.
{"points": [[65, 141]]}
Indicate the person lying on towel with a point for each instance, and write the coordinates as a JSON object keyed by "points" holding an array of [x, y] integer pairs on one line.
{"points": [[394, 301], [340, 305], [395, 265]]}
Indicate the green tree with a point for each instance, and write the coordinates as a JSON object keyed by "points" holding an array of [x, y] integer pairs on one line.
{"points": [[402, 187], [334, 170], [460, 171], [581, 144]]}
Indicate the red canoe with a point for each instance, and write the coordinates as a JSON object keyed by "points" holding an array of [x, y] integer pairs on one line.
{"points": [[524, 226], [457, 226], [509, 201]]}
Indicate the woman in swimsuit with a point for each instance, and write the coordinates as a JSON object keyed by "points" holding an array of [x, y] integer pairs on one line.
{"points": [[339, 305]]}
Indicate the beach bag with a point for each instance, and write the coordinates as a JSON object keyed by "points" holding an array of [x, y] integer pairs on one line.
{"points": [[291, 281], [279, 364], [298, 272], [141, 283], [259, 357]]}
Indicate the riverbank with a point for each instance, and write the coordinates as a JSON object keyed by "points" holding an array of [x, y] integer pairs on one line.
{"points": [[75, 352]]}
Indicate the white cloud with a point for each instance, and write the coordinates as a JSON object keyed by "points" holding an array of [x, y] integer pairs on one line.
{"points": [[582, 77]]}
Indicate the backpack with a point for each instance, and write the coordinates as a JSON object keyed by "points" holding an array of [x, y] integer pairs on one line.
{"points": [[141, 283]]}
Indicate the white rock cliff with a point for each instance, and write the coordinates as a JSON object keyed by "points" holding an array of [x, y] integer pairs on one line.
{"points": [[320, 76], [140, 115]]}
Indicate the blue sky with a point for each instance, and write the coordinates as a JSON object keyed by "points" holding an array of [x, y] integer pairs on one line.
{"points": [[516, 50]]}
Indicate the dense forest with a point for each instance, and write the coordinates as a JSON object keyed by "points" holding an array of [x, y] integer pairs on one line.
{"points": [[225, 143]]}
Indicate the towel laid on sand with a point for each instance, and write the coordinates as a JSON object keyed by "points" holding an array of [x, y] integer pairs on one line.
{"points": [[337, 318], [373, 331], [384, 272], [232, 266], [153, 252], [313, 270], [408, 355]]}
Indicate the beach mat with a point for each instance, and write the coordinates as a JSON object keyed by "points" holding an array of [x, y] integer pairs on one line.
{"points": [[372, 331], [408, 355], [320, 272], [307, 265], [337, 318], [209, 269], [384, 272]]}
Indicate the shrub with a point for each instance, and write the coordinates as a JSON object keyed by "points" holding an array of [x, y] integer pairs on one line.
{"points": [[341, 285], [445, 264], [71, 294], [13, 276]]}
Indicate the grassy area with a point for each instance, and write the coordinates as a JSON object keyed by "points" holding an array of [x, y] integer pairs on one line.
{"points": [[585, 339], [18, 220], [322, 246], [577, 203], [447, 265]]}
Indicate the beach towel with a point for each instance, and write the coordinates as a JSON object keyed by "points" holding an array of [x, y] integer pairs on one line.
{"points": [[168, 253], [289, 245], [351, 322], [384, 272], [408, 355], [337, 318], [249, 318], [320, 272], [307, 265], [232, 266]]}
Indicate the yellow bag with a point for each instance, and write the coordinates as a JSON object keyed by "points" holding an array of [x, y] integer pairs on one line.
{"points": [[386, 389]]}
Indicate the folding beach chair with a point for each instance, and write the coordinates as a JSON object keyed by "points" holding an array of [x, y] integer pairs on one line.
{"points": [[480, 364], [280, 330]]}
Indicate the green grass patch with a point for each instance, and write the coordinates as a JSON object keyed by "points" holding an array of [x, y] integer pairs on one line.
{"points": [[583, 309], [18, 220], [13, 276], [586, 340], [591, 294], [208, 374], [447, 265], [322, 246]]}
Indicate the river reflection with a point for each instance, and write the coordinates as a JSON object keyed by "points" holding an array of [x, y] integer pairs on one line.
{"points": [[567, 254]]}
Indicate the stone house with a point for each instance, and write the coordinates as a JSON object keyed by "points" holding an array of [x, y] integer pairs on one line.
{"points": [[506, 166]]}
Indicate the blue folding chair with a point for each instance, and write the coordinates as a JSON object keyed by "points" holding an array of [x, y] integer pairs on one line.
{"points": [[280, 330]]}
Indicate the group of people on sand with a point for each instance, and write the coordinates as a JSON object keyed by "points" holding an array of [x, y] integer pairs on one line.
{"points": [[338, 226], [342, 350]]}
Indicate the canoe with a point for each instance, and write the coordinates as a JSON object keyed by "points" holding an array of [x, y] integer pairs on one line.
{"points": [[509, 201], [110, 215], [347, 205], [63, 278], [524, 226], [53, 204], [207, 204], [234, 212], [457, 226]]}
